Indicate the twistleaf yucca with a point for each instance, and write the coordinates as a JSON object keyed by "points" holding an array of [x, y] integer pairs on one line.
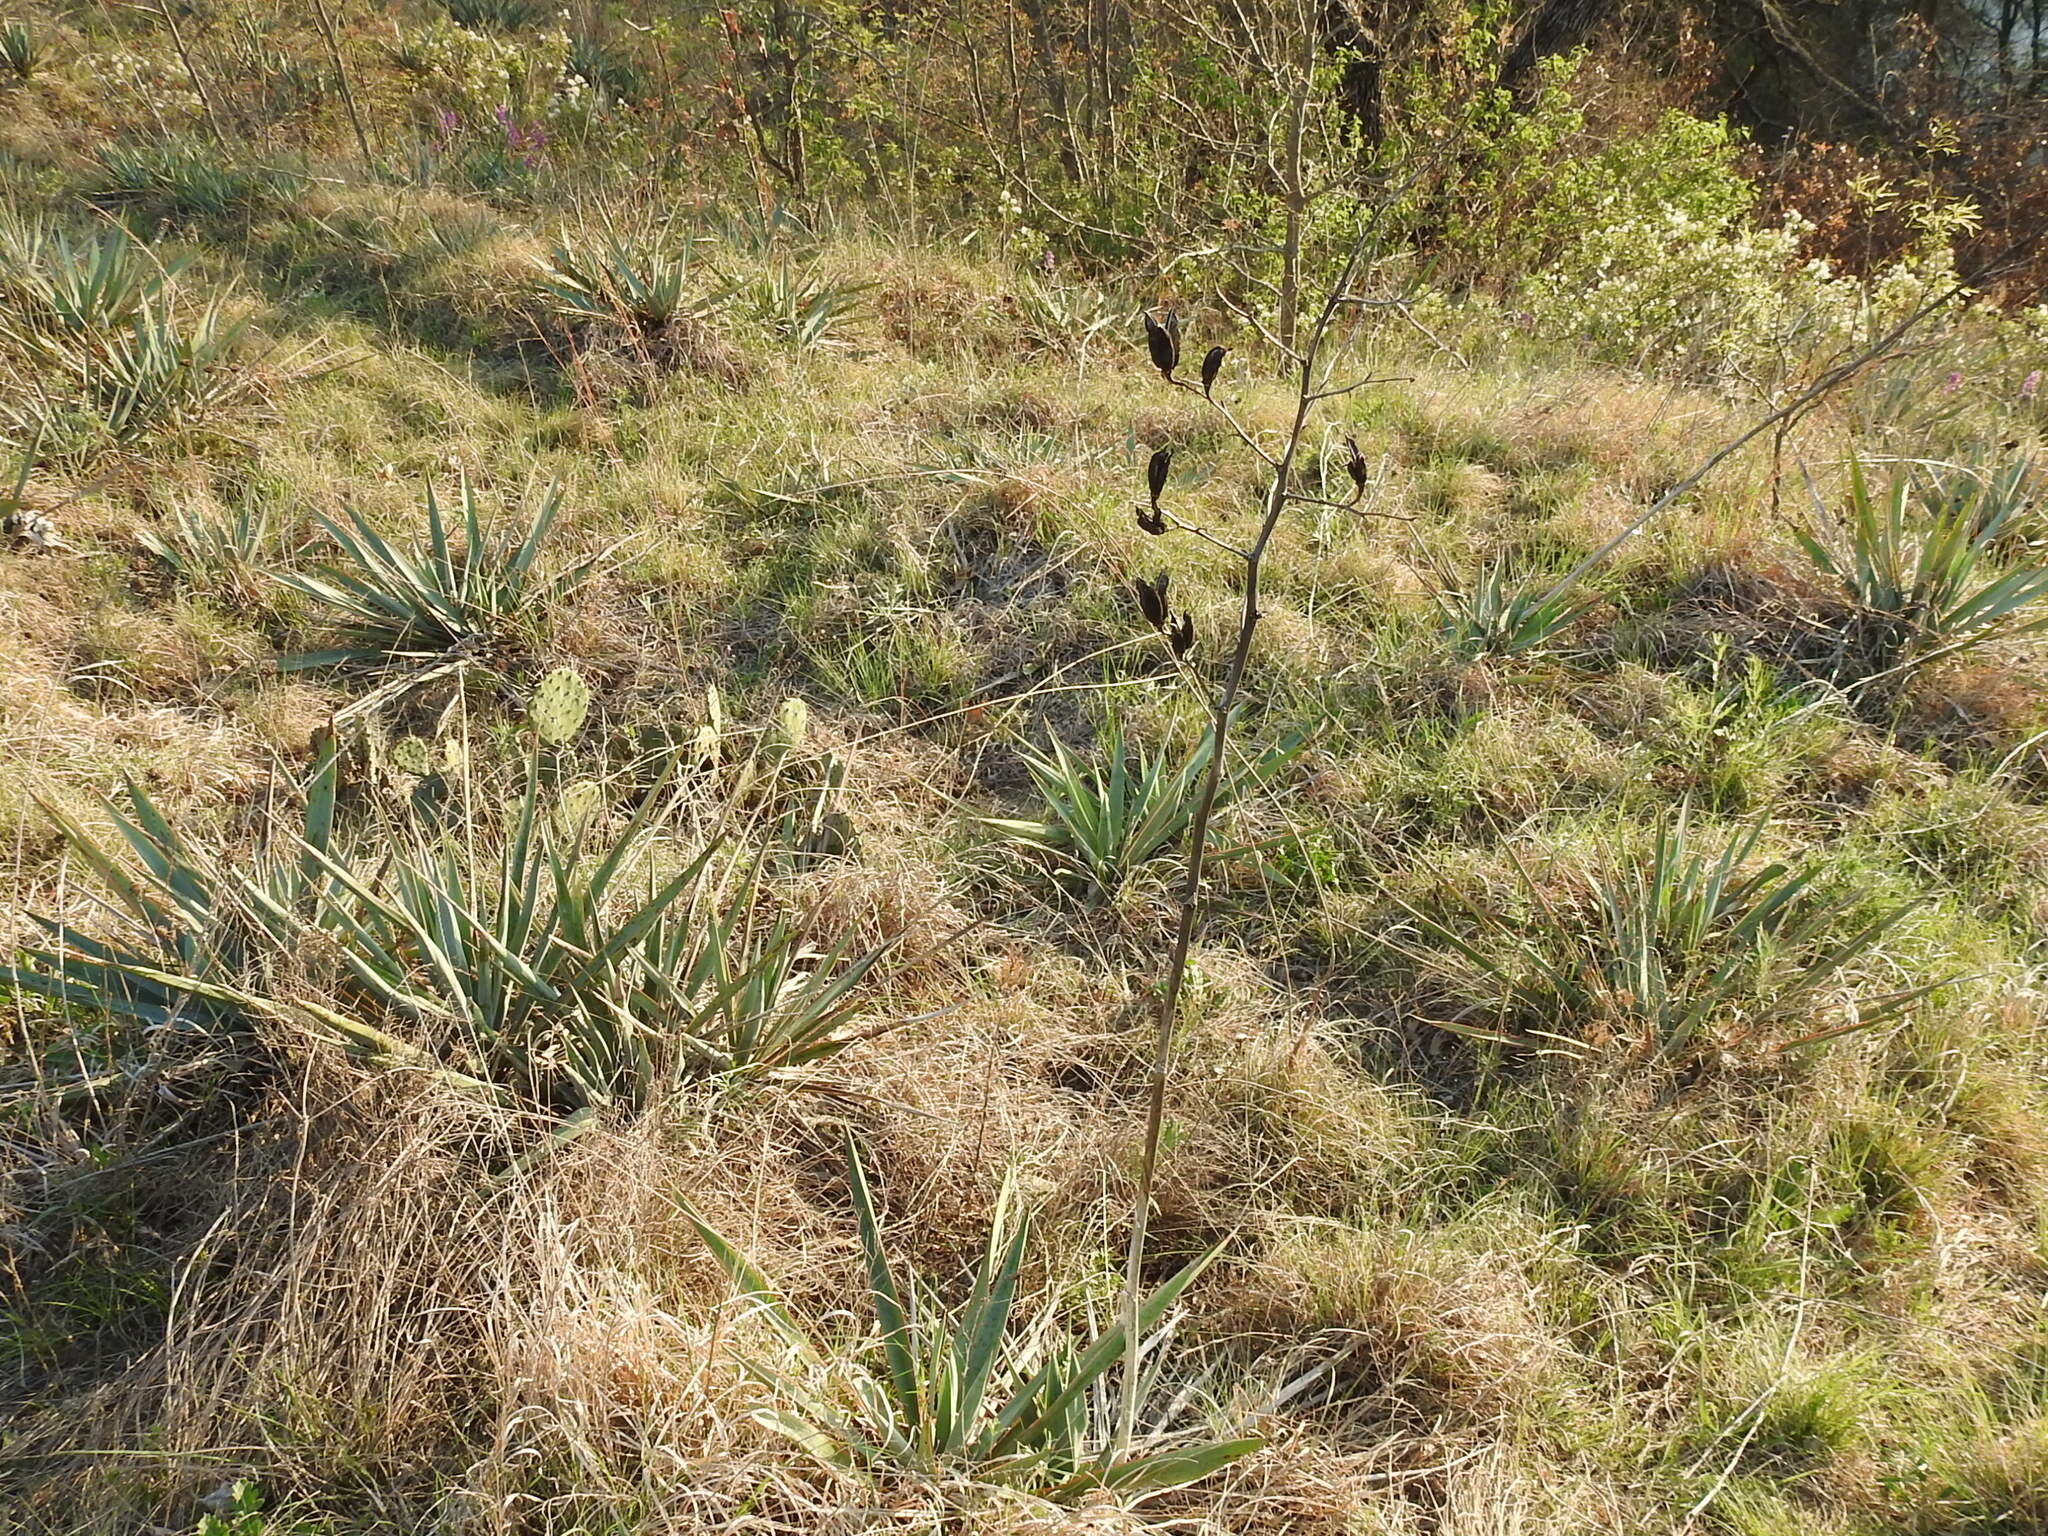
{"points": [[468, 589], [1105, 822], [971, 1389], [1690, 944], [1922, 571]]}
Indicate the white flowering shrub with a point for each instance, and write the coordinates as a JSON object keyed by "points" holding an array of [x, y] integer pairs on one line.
{"points": [[1646, 247], [480, 75]]}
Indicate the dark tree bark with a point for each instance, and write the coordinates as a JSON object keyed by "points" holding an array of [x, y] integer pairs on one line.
{"points": [[1356, 28], [1554, 27]]}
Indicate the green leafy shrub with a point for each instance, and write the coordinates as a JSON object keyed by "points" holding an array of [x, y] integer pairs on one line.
{"points": [[495, 15], [797, 307], [966, 1389], [207, 549], [53, 281], [195, 928]]}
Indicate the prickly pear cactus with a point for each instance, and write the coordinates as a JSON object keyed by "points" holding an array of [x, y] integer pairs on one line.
{"points": [[579, 804], [409, 756], [558, 706], [792, 725]]}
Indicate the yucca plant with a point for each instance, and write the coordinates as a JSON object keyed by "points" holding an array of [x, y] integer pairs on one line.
{"points": [[1494, 616], [645, 284], [21, 50], [1106, 822], [188, 921], [1920, 570], [800, 307], [548, 973], [1689, 940], [190, 180], [209, 549], [153, 375], [55, 281], [975, 1390], [495, 15], [466, 592], [580, 978]]}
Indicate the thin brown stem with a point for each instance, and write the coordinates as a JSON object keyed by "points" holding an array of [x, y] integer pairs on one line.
{"points": [[1279, 495]]}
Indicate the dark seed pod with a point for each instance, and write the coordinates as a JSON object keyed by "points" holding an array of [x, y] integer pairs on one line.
{"points": [[1152, 600], [1153, 522], [1155, 474], [1212, 364], [1182, 636], [1354, 464], [1164, 342]]}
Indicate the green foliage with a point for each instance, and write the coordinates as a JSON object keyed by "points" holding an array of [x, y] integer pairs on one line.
{"points": [[969, 1389], [191, 921], [1105, 823], [1922, 579], [1495, 616], [906, 661], [1674, 947], [207, 549], [645, 284], [189, 181], [108, 361], [609, 74], [799, 308], [496, 15], [451, 599], [21, 50], [55, 283], [241, 1516], [572, 976], [580, 978]]}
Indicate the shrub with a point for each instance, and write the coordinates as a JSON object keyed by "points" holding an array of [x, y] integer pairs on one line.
{"points": [[799, 307], [152, 376], [643, 284], [190, 182], [495, 15], [196, 929]]}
